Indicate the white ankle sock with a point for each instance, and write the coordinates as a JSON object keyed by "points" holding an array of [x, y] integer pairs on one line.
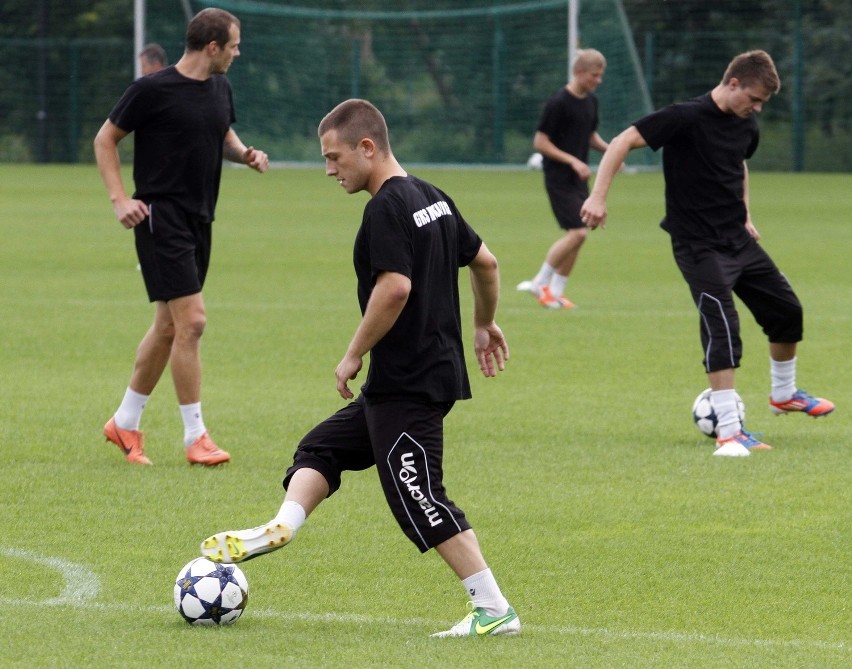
{"points": [[485, 593], [724, 403], [557, 284], [291, 514], [544, 275], [783, 373], [193, 423], [129, 412]]}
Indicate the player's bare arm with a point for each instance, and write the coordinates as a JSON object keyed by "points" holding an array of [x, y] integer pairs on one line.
{"points": [[752, 231], [543, 144], [593, 212], [598, 143], [237, 152], [389, 297], [489, 344], [128, 211]]}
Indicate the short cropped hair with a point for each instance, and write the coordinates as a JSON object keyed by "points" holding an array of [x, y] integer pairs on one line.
{"points": [[154, 54], [754, 67], [209, 25], [586, 59], [355, 120]]}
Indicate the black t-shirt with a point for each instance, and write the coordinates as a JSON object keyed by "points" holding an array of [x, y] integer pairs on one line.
{"points": [[704, 150], [412, 228], [569, 122], [179, 127]]}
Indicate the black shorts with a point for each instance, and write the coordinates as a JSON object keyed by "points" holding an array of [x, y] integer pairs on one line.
{"points": [[566, 204], [404, 439], [715, 276], [173, 248]]}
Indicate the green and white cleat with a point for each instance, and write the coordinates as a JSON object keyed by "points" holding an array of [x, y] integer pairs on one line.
{"points": [[479, 623], [241, 545]]}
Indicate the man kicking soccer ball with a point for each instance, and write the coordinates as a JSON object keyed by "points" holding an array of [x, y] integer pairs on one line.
{"points": [[706, 142], [408, 251]]}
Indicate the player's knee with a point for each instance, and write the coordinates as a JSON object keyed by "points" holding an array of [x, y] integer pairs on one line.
{"points": [[191, 327]]}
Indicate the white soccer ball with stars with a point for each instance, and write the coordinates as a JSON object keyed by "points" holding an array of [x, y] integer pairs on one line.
{"points": [[704, 416], [209, 593]]}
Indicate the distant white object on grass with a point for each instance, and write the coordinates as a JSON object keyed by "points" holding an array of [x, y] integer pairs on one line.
{"points": [[534, 161]]}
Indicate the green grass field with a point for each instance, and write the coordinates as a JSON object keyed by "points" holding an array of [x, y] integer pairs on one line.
{"points": [[616, 535]]}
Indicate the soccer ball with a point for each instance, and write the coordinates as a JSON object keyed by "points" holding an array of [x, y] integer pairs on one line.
{"points": [[704, 416], [208, 593]]}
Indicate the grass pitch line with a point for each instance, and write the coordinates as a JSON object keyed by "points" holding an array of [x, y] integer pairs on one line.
{"points": [[361, 619], [81, 583]]}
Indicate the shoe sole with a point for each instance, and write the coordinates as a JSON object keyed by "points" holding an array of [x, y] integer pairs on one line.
{"points": [[230, 548], [785, 412], [210, 463]]}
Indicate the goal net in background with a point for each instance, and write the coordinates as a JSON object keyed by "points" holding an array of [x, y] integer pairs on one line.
{"points": [[457, 82], [461, 81]]}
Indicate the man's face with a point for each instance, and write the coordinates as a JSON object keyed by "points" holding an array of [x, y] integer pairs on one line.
{"points": [[745, 100], [589, 79], [343, 162], [226, 53]]}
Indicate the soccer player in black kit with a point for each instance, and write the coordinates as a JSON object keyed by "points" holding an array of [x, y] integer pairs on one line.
{"points": [[408, 251], [181, 118], [568, 128], [706, 142]]}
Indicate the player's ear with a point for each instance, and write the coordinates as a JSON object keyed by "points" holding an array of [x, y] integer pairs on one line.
{"points": [[368, 146]]}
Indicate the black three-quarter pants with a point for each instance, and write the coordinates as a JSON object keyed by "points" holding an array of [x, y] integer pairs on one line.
{"points": [[404, 439], [715, 276]]}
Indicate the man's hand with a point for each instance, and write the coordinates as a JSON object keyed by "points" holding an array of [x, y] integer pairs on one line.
{"points": [[130, 212], [256, 159], [593, 212], [751, 230], [491, 348], [347, 370]]}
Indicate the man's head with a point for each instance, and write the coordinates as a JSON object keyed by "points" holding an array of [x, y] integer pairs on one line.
{"points": [[749, 81], [152, 58], [216, 32], [354, 141], [754, 68], [587, 70]]}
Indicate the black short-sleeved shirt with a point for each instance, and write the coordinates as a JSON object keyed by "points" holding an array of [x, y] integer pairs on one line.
{"points": [[569, 122], [179, 127], [704, 150], [412, 228]]}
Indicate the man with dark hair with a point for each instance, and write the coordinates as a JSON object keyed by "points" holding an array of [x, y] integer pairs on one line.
{"points": [[408, 251], [152, 59], [181, 118], [706, 142]]}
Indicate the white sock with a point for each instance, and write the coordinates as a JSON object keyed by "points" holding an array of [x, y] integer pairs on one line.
{"points": [[485, 593], [783, 374], [557, 284], [193, 423], [291, 514], [129, 412], [544, 275], [724, 403]]}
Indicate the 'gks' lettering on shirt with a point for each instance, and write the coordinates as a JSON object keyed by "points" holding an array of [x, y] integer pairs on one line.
{"points": [[431, 213]]}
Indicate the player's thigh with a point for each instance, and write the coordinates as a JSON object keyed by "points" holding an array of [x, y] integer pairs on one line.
{"points": [[339, 443], [566, 204], [706, 271]]}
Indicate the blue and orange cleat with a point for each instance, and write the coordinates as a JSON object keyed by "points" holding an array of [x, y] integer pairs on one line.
{"points": [[803, 402]]}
